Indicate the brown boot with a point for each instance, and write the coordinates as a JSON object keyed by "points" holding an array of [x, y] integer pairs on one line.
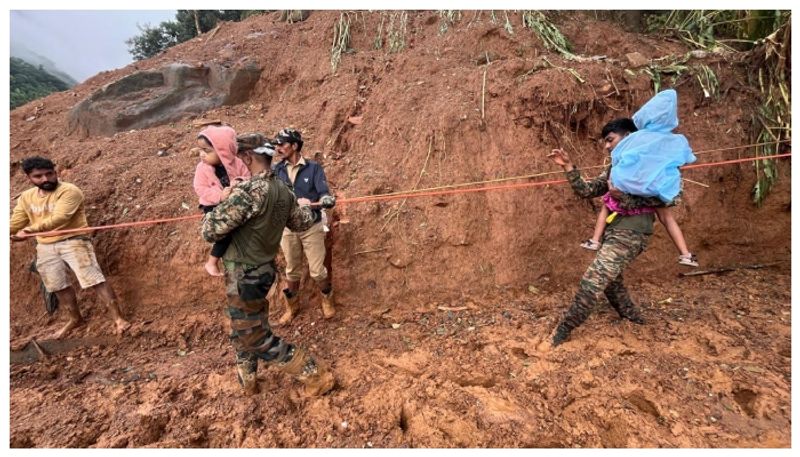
{"points": [[246, 374], [328, 305], [316, 376], [292, 300]]}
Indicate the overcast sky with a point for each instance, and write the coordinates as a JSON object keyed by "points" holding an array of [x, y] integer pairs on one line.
{"points": [[82, 43]]}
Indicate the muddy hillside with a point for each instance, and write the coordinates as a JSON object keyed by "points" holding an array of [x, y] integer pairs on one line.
{"points": [[445, 301]]}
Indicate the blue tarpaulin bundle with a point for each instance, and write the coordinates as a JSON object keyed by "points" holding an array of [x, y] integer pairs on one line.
{"points": [[646, 162]]}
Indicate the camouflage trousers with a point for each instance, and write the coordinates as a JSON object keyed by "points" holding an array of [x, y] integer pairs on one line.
{"points": [[604, 275], [248, 310]]}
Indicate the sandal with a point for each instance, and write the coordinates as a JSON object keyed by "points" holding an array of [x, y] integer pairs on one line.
{"points": [[591, 245], [689, 260]]}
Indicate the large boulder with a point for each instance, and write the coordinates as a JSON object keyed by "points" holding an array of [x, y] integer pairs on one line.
{"points": [[149, 98]]}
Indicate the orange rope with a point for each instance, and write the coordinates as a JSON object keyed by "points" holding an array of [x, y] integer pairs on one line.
{"points": [[385, 197], [728, 162], [370, 198], [523, 185], [113, 226], [732, 148], [556, 172]]}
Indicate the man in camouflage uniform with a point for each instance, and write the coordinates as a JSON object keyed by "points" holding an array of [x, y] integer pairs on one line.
{"points": [[625, 237], [255, 212]]}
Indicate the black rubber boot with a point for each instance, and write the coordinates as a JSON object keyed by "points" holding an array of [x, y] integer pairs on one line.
{"points": [[636, 319], [562, 334]]}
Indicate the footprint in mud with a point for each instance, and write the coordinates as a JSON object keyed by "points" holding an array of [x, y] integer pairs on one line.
{"points": [[405, 415], [519, 353], [746, 399], [645, 405], [151, 428], [413, 363], [499, 407], [434, 426], [614, 434], [473, 379]]}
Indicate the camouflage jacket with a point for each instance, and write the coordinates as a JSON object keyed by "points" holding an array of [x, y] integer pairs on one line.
{"points": [[599, 186], [254, 215]]}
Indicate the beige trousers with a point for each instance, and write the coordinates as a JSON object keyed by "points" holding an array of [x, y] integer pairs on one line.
{"points": [[312, 243], [55, 259]]}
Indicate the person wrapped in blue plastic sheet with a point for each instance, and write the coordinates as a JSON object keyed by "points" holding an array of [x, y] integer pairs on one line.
{"points": [[645, 156], [646, 162]]}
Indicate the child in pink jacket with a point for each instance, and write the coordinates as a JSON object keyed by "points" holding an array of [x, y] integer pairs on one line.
{"points": [[218, 170]]}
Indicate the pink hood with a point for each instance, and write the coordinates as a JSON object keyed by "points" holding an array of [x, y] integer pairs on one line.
{"points": [[206, 184]]}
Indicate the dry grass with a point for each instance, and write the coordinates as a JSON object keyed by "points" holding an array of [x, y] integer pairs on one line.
{"points": [[447, 19], [396, 31], [341, 40]]}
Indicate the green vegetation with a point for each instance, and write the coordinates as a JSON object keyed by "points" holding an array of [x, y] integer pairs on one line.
{"points": [[718, 29], [708, 81], [552, 38], [29, 83], [658, 69], [187, 25], [765, 37], [772, 123]]}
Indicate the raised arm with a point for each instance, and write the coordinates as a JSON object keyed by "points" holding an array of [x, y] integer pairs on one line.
{"points": [[583, 188], [588, 188]]}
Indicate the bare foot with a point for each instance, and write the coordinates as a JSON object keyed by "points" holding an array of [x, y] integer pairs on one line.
{"points": [[122, 325], [67, 328], [212, 268]]}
